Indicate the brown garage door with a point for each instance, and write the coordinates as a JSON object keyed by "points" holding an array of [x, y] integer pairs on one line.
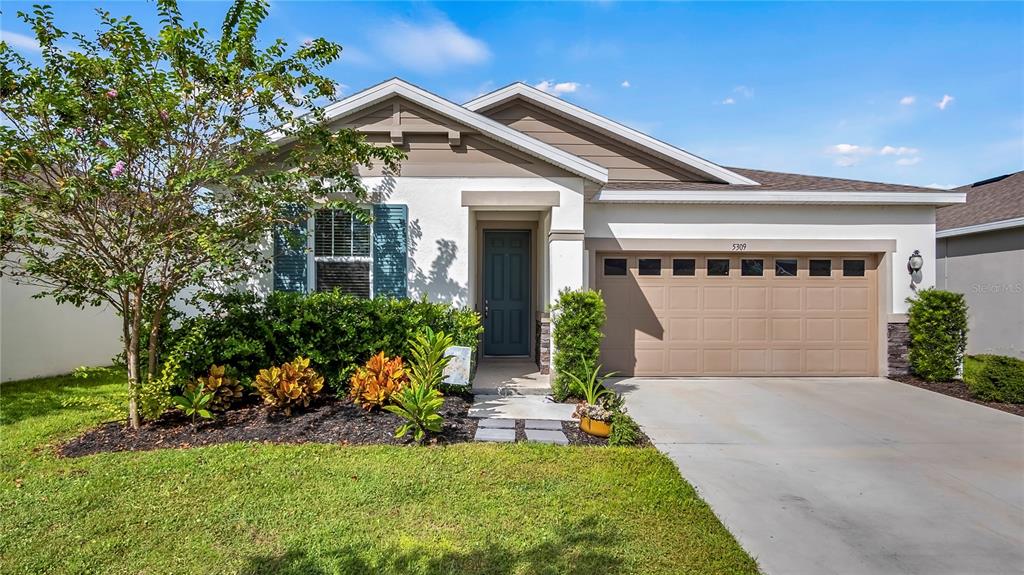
{"points": [[750, 314]]}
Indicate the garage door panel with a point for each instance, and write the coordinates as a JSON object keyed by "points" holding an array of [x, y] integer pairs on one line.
{"points": [[778, 323], [684, 330], [752, 361], [717, 298], [751, 330], [684, 298], [752, 298], [786, 361], [822, 330], [820, 298], [717, 329], [788, 298]]}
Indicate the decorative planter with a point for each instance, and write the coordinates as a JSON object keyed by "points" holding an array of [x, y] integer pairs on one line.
{"points": [[595, 427]]}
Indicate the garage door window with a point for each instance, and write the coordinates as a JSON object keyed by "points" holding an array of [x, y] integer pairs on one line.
{"points": [[821, 268], [718, 267], [650, 266], [853, 268], [684, 267], [752, 267], [614, 266], [785, 268]]}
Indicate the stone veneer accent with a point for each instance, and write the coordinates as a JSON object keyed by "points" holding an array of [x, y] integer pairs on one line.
{"points": [[898, 338], [543, 347]]}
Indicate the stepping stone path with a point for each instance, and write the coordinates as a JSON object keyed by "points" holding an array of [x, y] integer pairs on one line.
{"points": [[504, 430]]}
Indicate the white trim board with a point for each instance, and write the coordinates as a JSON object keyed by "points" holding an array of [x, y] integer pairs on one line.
{"points": [[486, 126], [979, 228], [778, 197], [608, 127]]}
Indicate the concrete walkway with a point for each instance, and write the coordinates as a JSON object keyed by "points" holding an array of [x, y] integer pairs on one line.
{"points": [[851, 476], [510, 376]]}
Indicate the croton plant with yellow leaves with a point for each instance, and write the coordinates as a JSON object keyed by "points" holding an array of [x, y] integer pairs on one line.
{"points": [[225, 389], [374, 384], [294, 384]]}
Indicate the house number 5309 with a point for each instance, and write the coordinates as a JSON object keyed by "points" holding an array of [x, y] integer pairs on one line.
{"points": [[739, 247]]}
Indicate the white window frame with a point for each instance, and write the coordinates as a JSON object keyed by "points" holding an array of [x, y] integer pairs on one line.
{"points": [[312, 258]]}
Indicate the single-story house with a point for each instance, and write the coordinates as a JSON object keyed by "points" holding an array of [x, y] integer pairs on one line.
{"points": [[706, 270], [980, 252]]}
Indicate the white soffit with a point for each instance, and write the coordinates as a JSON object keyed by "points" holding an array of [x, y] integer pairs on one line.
{"points": [[778, 197], [487, 126], [609, 127]]}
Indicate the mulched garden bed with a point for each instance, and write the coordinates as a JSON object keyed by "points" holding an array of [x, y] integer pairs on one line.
{"points": [[330, 421], [959, 390]]}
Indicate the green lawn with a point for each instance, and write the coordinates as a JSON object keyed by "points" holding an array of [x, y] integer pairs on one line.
{"points": [[311, 509]]}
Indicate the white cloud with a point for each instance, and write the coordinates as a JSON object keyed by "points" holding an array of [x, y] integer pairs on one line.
{"points": [[728, 101], [430, 47], [897, 151], [625, 84], [744, 91], [557, 88], [944, 102], [852, 154], [20, 41], [907, 100], [941, 186]]}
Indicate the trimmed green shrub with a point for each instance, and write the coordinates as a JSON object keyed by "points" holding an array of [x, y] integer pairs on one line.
{"points": [[336, 332], [995, 378], [578, 316], [625, 431], [938, 333]]}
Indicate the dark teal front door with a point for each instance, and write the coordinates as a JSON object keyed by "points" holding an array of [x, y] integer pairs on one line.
{"points": [[506, 293]]}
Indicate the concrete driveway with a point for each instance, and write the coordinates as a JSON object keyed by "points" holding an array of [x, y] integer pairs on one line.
{"points": [[850, 475]]}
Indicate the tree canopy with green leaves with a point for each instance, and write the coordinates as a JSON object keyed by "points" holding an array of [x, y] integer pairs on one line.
{"points": [[136, 166]]}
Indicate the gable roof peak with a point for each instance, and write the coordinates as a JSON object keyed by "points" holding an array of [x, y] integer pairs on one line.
{"points": [[607, 127]]}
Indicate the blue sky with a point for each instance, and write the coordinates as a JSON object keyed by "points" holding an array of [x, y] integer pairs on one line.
{"points": [[916, 93]]}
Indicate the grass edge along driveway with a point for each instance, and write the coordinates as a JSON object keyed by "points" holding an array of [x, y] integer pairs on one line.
{"points": [[253, 508]]}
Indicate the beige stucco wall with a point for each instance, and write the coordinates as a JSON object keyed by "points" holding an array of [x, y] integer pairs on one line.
{"points": [[39, 338], [988, 268]]}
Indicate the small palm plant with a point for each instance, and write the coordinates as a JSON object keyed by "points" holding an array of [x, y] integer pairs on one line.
{"points": [[593, 411], [592, 388], [195, 402], [419, 403]]}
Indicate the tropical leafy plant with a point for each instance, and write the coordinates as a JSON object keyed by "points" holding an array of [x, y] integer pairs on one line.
{"points": [[294, 384], [225, 389], [195, 402], [419, 405], [427, 359], [625, 430], [591, 388], [374, 384]]}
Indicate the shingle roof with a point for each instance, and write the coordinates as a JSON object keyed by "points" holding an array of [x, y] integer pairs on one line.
{"points": [[991, 200], [772, 181]]}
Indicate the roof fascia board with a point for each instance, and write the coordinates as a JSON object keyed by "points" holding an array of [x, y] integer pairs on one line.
{"points": [[979, 228], [778, 197], [607, 126], [492, 128]]}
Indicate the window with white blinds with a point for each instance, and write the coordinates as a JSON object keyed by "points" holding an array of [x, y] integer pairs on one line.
{"points": [[342, 252]]}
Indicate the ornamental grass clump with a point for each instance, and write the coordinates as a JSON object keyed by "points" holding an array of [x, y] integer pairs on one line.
{"points": [[294, 384], [374, 384]]}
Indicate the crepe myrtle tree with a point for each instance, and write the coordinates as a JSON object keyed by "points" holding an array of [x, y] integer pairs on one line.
{"points": [[135, 166]]}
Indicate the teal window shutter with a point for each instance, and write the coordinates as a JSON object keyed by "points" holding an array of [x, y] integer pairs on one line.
{"points": [[290, 258], [390, 250]]}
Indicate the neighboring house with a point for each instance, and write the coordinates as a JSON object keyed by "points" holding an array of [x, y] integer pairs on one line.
{"points": [[980, 253], [39, 338], [706, 270]]}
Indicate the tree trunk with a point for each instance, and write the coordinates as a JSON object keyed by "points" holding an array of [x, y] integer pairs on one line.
{"points": [[132, 357], [154, 341]]}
